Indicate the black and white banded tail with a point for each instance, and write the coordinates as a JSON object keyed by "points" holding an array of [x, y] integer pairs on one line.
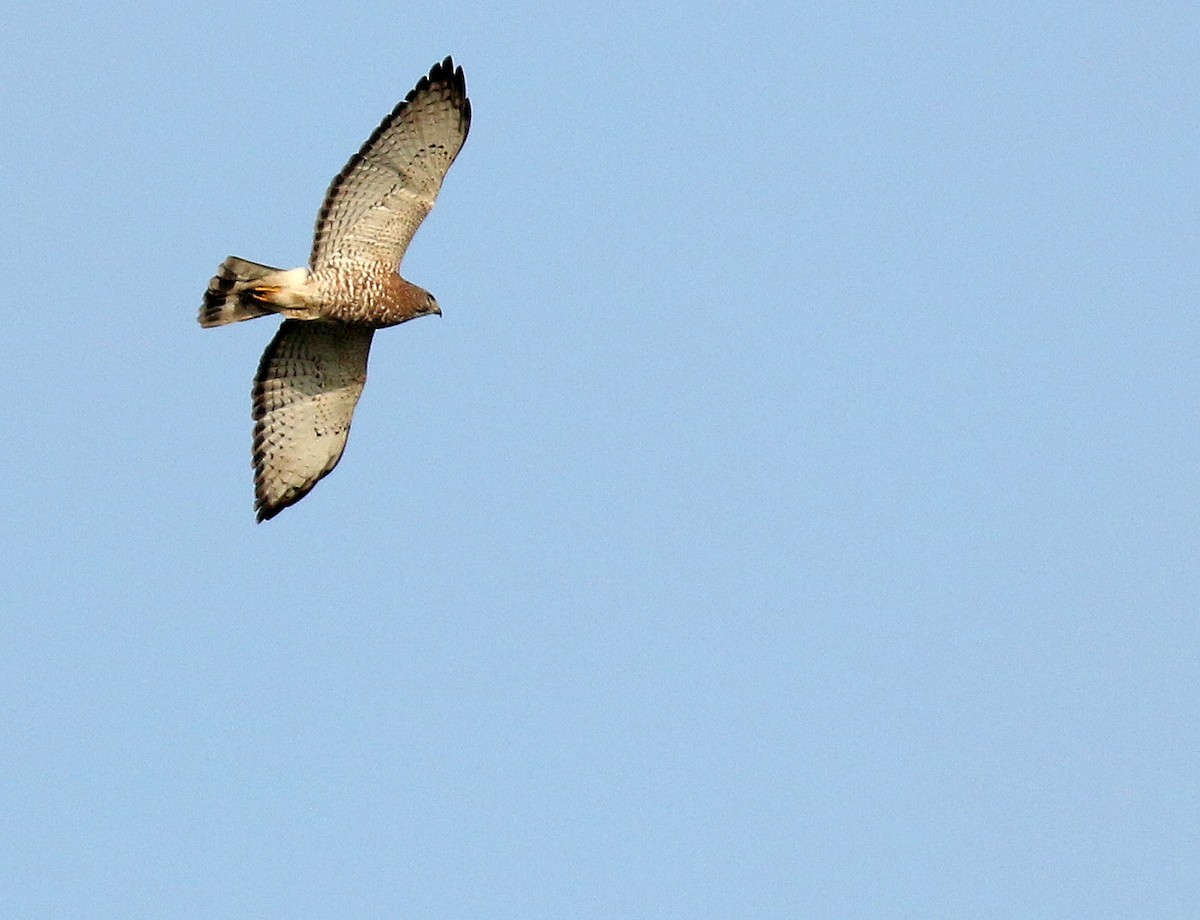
{"points": [[229, 298]]}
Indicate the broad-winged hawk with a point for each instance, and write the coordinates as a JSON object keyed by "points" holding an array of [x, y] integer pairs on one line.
{"points": [[314, 370]]}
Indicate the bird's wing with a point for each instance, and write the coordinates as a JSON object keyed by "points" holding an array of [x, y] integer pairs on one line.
{"points": [[376, 203], [307, 386]]}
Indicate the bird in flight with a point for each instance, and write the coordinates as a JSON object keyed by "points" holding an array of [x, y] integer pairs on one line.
{"points": [[313, 372]]}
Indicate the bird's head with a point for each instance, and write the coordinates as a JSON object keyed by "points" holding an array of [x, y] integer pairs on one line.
{"points": [[428, 305]]}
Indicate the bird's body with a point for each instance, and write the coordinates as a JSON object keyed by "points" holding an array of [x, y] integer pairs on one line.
{"points": [[332, 294], [313, 372]]}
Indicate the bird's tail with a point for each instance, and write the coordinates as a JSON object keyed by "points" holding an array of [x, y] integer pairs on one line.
{"points": [[236, 293]]}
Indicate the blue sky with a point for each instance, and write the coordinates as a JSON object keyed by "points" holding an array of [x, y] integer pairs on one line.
{"points": [[793, 513]]}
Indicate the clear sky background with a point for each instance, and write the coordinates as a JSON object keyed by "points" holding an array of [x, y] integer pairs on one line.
{"points": [[793, 515]]}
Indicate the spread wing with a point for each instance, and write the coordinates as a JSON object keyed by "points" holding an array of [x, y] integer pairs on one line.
{"points": [[376, 203], [307, 386]]}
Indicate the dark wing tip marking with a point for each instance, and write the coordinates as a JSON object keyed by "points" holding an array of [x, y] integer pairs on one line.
{"points": [[264, 508], [263, 513]]}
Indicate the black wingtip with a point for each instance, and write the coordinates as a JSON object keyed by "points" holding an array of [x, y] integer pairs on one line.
{"points": [[264, 508], [264, 513], [446, 72]]}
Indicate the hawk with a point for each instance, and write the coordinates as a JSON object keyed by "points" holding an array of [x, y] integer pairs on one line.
{"points": [[313, 372]]}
